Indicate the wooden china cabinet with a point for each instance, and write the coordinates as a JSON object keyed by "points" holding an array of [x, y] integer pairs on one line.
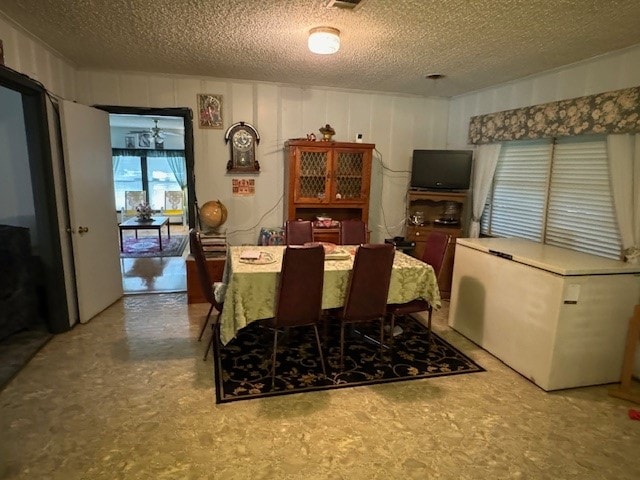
{"points": [[327, 179]]}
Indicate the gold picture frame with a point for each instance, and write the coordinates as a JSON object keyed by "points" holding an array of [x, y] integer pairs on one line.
{"points": [[210, 110]]}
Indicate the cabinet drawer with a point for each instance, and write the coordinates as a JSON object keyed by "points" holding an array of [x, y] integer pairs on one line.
{"points": [[329, 235]]}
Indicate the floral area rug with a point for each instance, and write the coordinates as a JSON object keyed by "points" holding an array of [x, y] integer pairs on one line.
{"points": [[243, 367], [149, 247]]}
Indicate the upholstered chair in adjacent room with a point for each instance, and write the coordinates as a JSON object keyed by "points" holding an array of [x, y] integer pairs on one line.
{"points": [[299, 295], [131, 200], [174, 205], [353, 232], [368, 290], [434, 253], [208, 289], [298, 232]]}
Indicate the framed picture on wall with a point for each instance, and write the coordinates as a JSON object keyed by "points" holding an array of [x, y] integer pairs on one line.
{"points": [[144, 140], [129, 141], [243, 187], [209, 110]]}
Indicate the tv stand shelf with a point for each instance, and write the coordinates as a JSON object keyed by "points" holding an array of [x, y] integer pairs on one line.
{"points": [[442, 211]]}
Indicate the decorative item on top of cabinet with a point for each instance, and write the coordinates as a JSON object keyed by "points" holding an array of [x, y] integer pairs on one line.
{"points": [[442, 211], [328, 180], [327, 132]]}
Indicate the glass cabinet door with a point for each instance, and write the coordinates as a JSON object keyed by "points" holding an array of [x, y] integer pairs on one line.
{"points": [[312, 176], [349, 170]]}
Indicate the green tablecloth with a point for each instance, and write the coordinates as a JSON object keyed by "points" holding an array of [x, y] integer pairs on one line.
{"points": [[252, 288]]}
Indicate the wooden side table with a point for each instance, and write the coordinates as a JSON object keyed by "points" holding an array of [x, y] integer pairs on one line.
{"points": [[216, 269], [624, 390]]}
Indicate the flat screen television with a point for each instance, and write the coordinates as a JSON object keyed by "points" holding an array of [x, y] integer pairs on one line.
{"points": [[441, 169]]}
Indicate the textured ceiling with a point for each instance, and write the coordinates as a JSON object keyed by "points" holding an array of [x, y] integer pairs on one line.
{"points": [[386, 45]]}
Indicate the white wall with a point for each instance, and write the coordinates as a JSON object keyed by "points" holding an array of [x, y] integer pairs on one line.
{"points": [[613, 71], [397, 124], [25, 54]]}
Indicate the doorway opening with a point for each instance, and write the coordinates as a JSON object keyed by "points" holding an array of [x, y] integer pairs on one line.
{"points": [[153, 162], [33, 294]]}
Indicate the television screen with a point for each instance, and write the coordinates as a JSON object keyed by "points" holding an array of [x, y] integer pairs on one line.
{"points": [[441, 169]]}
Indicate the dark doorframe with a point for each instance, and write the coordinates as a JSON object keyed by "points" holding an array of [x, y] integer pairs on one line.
{"points": [[49, 274], [187, 118]]}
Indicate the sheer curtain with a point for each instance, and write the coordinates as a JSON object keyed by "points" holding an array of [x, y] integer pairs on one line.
{"points": [[176, 161], [484, 168], [623, 153]]}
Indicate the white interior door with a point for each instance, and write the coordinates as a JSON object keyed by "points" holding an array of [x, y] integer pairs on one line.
{"points": [[92, 210]]}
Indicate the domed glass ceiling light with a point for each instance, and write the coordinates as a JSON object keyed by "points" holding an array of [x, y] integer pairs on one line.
{"points": [[324, 40]]}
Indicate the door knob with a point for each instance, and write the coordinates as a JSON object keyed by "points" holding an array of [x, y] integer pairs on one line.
{"points": [[82, 230]]}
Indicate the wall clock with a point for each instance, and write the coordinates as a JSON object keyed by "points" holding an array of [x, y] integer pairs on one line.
{"points": [[242, 139]]}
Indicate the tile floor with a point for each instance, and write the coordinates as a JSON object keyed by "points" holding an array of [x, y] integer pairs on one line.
{"points": [[127, 396]]}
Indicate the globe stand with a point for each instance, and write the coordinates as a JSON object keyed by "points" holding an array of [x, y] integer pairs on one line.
{"points": [[206, 230]]}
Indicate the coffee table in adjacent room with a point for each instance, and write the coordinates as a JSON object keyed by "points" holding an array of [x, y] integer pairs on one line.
{"points": [[155, 223]]}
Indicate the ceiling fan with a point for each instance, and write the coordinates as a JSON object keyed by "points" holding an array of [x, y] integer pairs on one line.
{"points": [[156, 133]]}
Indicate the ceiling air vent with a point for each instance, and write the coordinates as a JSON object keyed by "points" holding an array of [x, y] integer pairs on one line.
{"points": [[346, 4]]}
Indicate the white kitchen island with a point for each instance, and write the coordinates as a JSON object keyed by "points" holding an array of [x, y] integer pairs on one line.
{"points": [[556, 316]]}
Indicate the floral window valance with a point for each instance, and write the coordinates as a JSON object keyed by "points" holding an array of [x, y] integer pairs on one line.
{"points": [[609, 112]]}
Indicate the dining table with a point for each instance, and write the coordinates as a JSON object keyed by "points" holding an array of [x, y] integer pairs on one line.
{"points": [[252, 274]]}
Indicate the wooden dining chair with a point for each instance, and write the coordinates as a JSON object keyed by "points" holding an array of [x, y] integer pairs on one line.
{"points": [[299, 295], [368, 289], [434, 253], [208, 290], [298, 232], [353, 232]]}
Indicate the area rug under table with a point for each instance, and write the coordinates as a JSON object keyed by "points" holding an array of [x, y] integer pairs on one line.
{"points": [[243, 367], [150, 247]]}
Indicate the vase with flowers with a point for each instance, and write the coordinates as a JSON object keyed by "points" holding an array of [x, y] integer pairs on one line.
{"points": [[144, 212]]}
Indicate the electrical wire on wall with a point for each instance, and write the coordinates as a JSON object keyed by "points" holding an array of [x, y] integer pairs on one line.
{"points": [[260, 219], [384, 218]]}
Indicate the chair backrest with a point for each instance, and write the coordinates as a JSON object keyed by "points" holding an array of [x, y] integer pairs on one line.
{"points": [[369, 284], [435, 249], [353, 232], [201, 266], [298, 232], [301, 281], [132, 199], [173, 202]]}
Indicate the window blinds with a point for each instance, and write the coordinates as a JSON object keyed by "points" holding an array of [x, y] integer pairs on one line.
{"points": [[557, 194], [581, 215], [519, 190]]}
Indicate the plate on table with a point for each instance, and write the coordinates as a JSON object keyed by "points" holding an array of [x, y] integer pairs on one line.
{"points": [[257, 258], [328, 247]]}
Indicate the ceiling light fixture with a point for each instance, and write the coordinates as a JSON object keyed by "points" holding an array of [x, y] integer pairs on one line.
{"points": [[324, 40]]}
